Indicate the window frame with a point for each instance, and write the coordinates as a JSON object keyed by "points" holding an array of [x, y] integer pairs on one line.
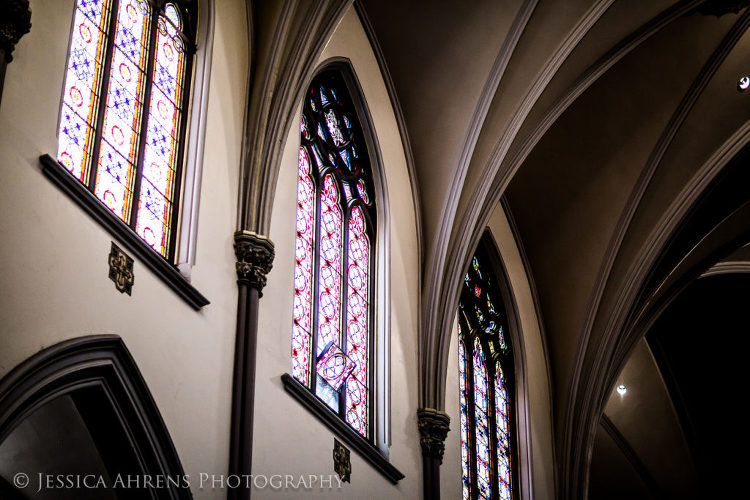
{"points": [[173, 269], [512, 373], [375, 450]]}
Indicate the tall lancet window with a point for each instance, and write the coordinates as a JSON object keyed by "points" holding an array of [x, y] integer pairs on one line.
{"points": [[124, 112], [485, 364], [332, 331]]}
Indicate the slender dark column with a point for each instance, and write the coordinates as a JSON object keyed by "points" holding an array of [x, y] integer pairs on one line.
{"points": [[254, 260], [433, 429], [15, 22]]}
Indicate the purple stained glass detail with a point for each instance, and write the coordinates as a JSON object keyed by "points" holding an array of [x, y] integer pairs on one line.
{"points": [[503, 440], [329, 286], [347, 191], [362, 190], [334, 366], [80, 93], [303, 265], [482, 425]]}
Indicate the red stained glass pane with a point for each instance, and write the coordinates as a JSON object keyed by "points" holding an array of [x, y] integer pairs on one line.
{"points": [[334, 293], [356, 405], [329, 286], [481, 422], [303, 266], [357, 293], [503, 442]]}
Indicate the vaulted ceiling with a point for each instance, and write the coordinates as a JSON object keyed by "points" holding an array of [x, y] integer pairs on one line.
{"points": [[598, 123]]}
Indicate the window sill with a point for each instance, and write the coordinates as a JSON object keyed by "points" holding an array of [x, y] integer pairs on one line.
{"points": [[121, 231], [364, 448]]}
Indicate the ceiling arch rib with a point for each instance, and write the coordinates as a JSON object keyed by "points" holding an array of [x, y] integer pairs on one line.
{"points": [[445, 270]]}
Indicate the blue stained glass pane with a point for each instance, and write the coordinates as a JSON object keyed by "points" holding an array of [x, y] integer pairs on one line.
{"points": [[132, 30], [326, 393], [323, 98], [345, 157], [92, 8], [490, 305], [480, 316]]}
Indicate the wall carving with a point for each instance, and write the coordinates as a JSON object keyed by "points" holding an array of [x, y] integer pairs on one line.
{"points": [[15, 22], [255, 255], [433, 429], [121, 269]]}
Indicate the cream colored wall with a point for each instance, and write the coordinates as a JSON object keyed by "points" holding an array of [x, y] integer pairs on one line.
{"points": [[288, 439], [538, 482], [53, 257]]}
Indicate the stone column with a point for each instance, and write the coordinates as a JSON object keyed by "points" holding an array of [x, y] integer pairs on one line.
{"points": [[254, 261], [15, 22], [433, 429]]}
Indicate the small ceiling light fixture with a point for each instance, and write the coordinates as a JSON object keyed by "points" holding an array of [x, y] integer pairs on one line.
{"points": [[743, 84], [621, 390]]}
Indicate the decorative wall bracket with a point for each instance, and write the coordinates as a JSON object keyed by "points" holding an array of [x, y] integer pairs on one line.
{"points": [[342, 463], [433, 429], [255, 255], [121, 269], [15, 22]]}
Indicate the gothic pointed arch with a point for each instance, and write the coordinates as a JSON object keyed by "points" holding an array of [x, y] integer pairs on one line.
{"points": [[487, 374], [106, 389]]}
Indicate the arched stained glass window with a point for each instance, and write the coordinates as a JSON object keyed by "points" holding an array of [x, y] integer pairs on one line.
{"points": [[124, 113], [485, 365], [332, 331]]}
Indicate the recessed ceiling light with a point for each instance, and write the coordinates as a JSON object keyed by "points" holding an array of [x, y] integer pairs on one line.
{"points": [[743, 84], [621, 390]]}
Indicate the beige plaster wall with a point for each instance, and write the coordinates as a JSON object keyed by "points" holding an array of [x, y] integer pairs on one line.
{"points": [[288, 439], [53, 257]]}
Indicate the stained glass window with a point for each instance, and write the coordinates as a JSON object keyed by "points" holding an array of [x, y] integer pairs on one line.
{"points": [[123, 121], [332, 340], [485, 365]]}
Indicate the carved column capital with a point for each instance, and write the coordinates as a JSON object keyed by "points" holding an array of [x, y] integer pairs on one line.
{"points": [[15, 22], [433, 429], [254, 259]]}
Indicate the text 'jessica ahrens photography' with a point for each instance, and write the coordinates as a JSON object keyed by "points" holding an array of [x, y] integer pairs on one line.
{"points": [[46, 481]]}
